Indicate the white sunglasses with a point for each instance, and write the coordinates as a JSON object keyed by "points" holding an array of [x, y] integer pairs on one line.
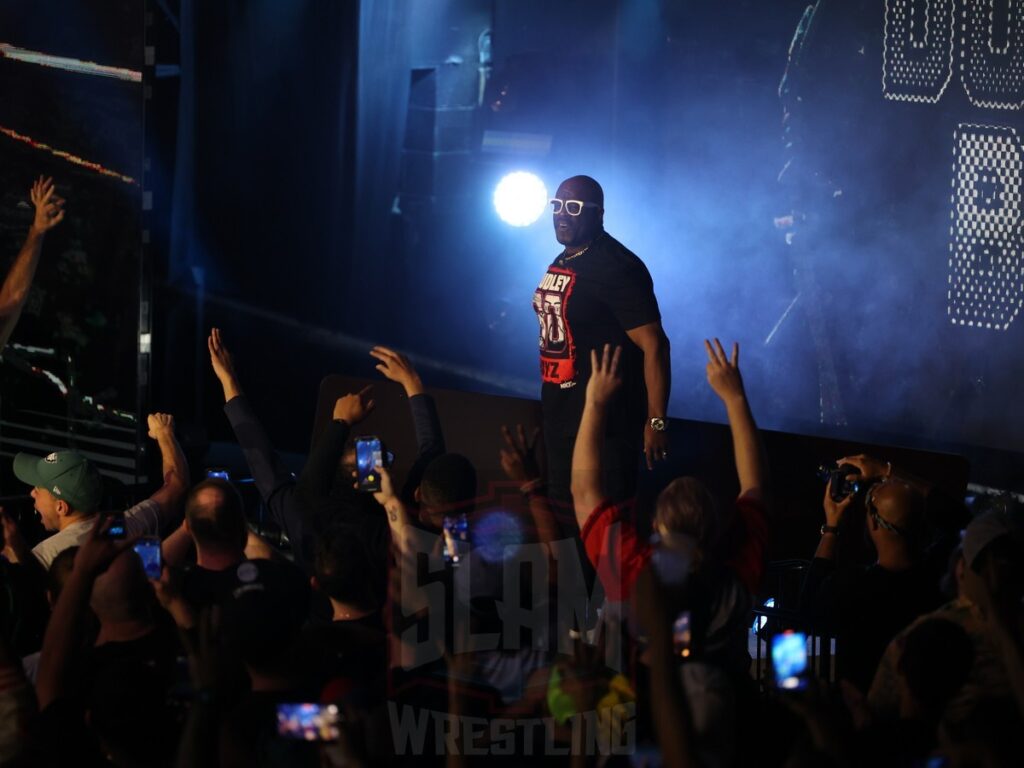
{"points": [[572, 207]]}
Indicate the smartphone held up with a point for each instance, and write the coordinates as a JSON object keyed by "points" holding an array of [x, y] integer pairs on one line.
{"points": [[369, 456], [789, 660], [118, 527], [308, 722], [148, 550]]}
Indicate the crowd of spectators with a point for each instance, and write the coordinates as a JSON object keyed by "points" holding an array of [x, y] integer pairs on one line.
{"points": [[413, 623]]}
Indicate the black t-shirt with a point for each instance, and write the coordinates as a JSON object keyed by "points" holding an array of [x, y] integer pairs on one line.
{"points": [[582, 303], [356, 650], [202, 587], [158, 650], [868, 607]]}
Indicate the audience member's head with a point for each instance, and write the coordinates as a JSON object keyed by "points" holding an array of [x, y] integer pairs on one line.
{"points": [[991, 529], [66, 486], [215, 517], [342, 569], [896, 519], [992, 559], [687, 507], [448, 487]]}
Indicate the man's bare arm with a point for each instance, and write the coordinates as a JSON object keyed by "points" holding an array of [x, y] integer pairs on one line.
{"points": [[14, 292], [395, 510], [519, 462], [654, 343], [174, 467], [177, 546], [724, 377], [587, 492]]}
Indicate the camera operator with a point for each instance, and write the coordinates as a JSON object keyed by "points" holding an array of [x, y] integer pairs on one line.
{"points": [[867, 606]]}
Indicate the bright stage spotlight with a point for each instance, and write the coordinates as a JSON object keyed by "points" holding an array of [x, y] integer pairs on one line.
{"points": [[520, 198]]}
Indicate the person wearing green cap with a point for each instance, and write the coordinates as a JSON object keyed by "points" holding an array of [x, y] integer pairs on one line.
{"points": [[67, 489]]}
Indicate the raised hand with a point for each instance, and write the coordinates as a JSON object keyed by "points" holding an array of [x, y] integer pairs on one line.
{"points": [[396, 367], [870, 467], [49, 206], [398, 515], [168, 594], [353, 408], [160, 425], [834, 510], [223, 365], [604, 375], [386, 493], [724, 372], [519, 457], [14, 544]]}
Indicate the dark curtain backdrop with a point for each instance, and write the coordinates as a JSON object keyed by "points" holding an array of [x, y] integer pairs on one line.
{"points": [[392, 237], [386, 31], [264, 184], [263, 190]]}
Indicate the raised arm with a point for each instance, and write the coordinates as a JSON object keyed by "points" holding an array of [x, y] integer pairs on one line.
{"points": [[14, 292], [317, 478], [177, 546], [64, 632], [586, 486], [670, 710], [395, 509], [17, 704], [429, 437], [16, 549], [519, 463], [834, 511], [725, 379], [397, 368], [818, 593], [174, 468], [273, 479], [654, 343], [223, 366]]}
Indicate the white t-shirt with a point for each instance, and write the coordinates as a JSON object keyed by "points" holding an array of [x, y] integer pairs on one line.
{"points": [[143, 519]]}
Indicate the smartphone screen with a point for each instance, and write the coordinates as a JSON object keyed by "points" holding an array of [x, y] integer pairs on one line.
{"points": [[221, 473], [117, 529], [308, 722], [682, 634], [368, 458], [148, 550], [456, 538], [789, 659]]}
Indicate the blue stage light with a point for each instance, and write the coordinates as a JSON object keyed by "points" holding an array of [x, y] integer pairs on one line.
{"points": [[520, 198]]}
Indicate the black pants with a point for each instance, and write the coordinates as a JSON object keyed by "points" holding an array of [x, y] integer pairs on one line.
{"points": [[620, 464]]}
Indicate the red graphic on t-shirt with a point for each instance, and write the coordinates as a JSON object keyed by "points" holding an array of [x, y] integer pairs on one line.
{"points": [[557, 350]]}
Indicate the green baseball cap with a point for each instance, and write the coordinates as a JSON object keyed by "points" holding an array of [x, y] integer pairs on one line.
{"points": [[68, 475]]}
